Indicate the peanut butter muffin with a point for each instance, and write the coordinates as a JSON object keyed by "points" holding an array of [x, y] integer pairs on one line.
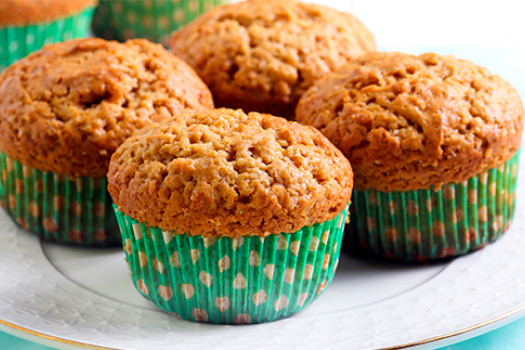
{"points": [[26, 25], [262, 55], [229, 217], [434, 143], [63, 112]]}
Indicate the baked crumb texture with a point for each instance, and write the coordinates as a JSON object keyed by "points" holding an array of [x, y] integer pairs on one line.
{"points": [[411, 122], [262, 55], [227, 173], [67, 107]]}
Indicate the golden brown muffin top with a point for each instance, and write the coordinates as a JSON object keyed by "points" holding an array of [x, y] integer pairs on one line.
{"points": [[409, 122], [262, 55], [226, 173], [67, 107], [22, 12]]}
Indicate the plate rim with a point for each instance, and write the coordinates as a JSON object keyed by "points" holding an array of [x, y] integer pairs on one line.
{"points": [[44, 337]]}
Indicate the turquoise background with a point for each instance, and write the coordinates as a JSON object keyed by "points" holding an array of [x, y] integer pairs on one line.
{"points": [[9, 342]]}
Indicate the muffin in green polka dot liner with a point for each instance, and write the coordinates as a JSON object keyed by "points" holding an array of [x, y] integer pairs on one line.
{"points": [[17, 41], [150, 19], [229, 217], [232, 280], [58, 208], [64, 111], [434, 142], [430, 224]]}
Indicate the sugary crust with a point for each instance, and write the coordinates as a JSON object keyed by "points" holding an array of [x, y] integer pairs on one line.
{"points": [[262, 55], [225, 173], [408, 122], [23, 12], [67, 107]]}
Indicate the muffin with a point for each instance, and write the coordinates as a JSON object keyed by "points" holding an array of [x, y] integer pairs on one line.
{"points": [[434, 142], [228, 217], [150, 19], [262, 55], [63, 112], [27, 25]]}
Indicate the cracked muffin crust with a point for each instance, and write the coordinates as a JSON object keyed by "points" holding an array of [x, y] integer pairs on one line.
{"points": [[22, 12], [409, 122], [67, 107], [226, 173], [262, 55]]}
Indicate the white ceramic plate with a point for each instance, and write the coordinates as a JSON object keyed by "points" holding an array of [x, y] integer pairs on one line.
{"points": [[70, 297]]}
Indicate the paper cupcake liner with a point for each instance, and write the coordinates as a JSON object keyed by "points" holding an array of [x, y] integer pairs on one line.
{"points": [[427, 224], [150, 19], [17, 42], [232, 281], [57, 208]]}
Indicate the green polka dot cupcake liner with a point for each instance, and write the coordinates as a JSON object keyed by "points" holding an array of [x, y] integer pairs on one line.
{"points": [[150, 19], [74, 211], [433, 224], [232, 281], [16, 42]]}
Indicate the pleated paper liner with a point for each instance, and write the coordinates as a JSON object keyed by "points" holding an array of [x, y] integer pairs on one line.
{"points": [[151, 19], [232, 281], [57, 208], [17, 42], [427, 224]]}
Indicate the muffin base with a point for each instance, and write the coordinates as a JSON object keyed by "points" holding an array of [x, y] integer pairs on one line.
{"points": [[153, 20], [57, 208], [232, 281], [435, 224], [17, 42]]}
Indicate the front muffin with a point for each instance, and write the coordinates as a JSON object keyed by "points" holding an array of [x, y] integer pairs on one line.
{"points": [[434, 143], [262, 55], [228, 217], [63, 112]]}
